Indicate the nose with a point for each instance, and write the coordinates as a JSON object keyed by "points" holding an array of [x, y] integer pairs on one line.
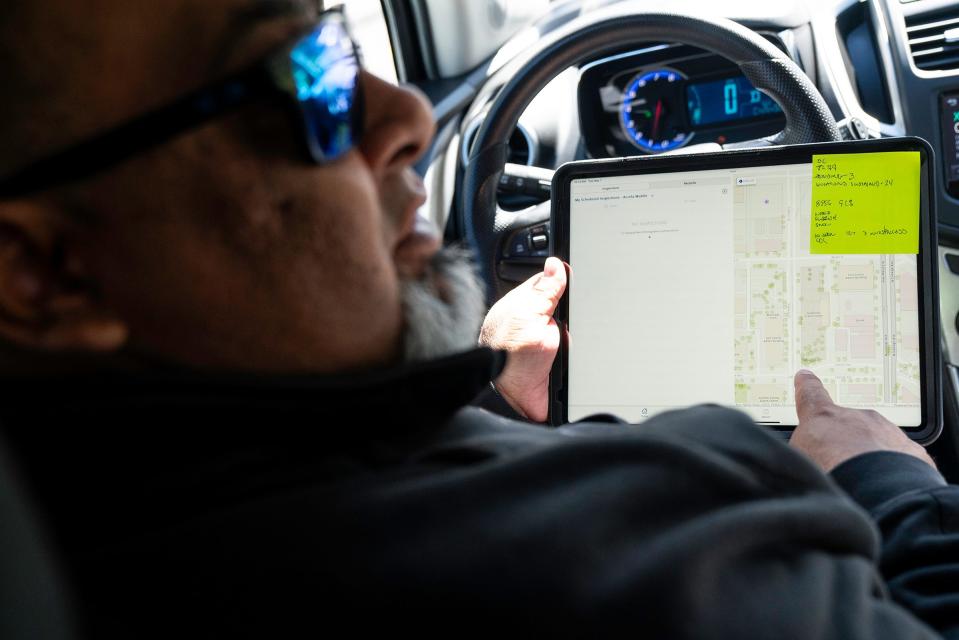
{"points": [[398, 125]]}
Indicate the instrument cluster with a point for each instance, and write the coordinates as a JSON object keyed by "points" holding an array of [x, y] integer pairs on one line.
{"points": [[662, 98]]}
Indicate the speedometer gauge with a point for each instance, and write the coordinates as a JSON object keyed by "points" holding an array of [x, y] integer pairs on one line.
{"points": [[652, 114]]}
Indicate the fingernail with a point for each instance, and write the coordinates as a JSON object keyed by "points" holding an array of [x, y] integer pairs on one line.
{"points": [[549, 269]]}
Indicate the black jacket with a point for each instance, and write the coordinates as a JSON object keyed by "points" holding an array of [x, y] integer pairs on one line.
{"points": [[278, 508]]}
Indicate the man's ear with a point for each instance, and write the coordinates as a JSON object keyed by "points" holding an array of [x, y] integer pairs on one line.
{"points": [[47, 301]]}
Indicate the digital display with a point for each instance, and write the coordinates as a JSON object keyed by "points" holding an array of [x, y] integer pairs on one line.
{"points": [[727, 99]]}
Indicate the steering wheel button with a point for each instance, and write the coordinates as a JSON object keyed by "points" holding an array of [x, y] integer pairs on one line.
{"points": [[519, 247], [540, 241]]}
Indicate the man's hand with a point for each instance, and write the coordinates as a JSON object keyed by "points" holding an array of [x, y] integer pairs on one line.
{"points": [[830, 434], [522, 324]]}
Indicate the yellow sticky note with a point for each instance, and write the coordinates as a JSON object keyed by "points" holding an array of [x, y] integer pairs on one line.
{"points": [[865, 203]]}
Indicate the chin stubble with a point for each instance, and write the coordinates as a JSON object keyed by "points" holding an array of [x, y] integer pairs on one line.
{"points": [[444, 308]]}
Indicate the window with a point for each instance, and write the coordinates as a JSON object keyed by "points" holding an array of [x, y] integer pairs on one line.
{"points": [[368, 26]]}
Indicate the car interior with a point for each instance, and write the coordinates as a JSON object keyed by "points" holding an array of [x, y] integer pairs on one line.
{"points": [[520, 87], [555, 90]]}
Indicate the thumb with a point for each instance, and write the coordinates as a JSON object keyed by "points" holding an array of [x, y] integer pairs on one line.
{"points": [[811, 395], [551, 283]]}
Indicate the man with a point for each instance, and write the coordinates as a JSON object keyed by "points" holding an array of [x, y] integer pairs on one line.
{"points": [[229, 380]]}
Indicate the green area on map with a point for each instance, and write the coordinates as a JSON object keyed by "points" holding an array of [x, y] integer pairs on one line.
{"points": [[865, 203]]}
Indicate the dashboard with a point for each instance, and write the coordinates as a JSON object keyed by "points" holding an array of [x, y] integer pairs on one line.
{"points": [[662, 98]]}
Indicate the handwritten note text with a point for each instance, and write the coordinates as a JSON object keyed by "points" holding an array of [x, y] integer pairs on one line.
{"points": [[865, 203]]}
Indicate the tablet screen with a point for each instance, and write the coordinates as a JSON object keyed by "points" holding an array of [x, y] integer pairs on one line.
{"points": [[718, 285]]}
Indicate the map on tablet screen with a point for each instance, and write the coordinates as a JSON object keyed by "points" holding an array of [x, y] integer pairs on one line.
{"points": [[718, 285]]}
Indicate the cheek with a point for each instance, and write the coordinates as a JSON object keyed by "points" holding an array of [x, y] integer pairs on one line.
{"points": [[337, 227], [282, 271], [329, 260], [344, 260]]}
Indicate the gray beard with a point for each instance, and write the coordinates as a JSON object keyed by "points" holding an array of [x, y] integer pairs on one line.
{"points": [[445, 308]]}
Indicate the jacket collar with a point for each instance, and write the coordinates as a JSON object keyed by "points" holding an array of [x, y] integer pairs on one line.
{"points": [[403, 398]]}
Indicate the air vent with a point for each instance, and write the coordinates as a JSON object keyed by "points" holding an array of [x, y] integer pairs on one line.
{"points": [[934, 39], [520, 147]]}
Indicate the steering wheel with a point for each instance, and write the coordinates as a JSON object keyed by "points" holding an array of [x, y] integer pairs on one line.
{"points": [[808, 119]]}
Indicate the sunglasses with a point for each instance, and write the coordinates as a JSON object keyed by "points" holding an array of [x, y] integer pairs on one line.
{"points": [[317, 78]]}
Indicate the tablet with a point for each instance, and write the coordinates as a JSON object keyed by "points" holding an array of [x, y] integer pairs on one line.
{"points": [[713, 278]]}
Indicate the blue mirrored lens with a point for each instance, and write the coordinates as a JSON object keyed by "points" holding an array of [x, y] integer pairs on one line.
{"points": [[325, 72]]}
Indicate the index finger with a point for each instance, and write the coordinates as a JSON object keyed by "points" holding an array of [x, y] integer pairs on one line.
{"points": [[811, 395]]}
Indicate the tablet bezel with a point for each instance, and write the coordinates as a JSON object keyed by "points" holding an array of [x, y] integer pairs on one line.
{"points": [[927, 273]]}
